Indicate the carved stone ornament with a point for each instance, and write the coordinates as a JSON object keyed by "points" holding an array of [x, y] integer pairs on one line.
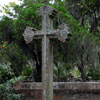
{"points": [[63, 33], [28, 34], [48, 10]]}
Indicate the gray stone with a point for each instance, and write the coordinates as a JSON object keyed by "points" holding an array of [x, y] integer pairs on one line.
{"points": [[47, 13]]}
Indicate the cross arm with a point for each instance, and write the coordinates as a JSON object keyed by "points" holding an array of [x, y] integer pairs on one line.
{"points": [[29, 34], [63, 33]]}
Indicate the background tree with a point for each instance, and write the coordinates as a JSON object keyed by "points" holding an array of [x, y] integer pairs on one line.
{"points": [[82, 51]]}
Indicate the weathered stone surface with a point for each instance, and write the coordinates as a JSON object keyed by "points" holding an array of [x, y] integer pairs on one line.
{"points": [[63, 32], [62, 90], [47, 13], [70, 86], [47, 10], [28, 34]]}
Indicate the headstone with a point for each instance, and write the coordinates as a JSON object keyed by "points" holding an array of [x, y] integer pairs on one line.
{"points": [[63, 33]]}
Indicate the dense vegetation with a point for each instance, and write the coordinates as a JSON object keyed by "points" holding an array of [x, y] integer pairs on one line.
{"points": [[76, 60]]}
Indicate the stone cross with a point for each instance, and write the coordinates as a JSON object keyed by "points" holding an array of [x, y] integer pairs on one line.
{"points": [[47, 13]]}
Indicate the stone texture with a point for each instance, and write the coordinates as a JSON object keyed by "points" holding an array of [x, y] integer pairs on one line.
{"points": [[47, 13], [62, 90]]}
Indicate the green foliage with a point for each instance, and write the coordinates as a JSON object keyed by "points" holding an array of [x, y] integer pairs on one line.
{"points": [[94, 74], [82, 49], [5, 73], [7, 80], [27, 16], [60, 73], [28, 73], [76, 73], [12, 54]]}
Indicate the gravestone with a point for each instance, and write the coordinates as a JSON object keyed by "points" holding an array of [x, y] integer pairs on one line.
{"points": [[46, 34]]}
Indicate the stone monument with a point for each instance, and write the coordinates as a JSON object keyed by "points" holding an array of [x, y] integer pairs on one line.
{"points": [[46, 34]]}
